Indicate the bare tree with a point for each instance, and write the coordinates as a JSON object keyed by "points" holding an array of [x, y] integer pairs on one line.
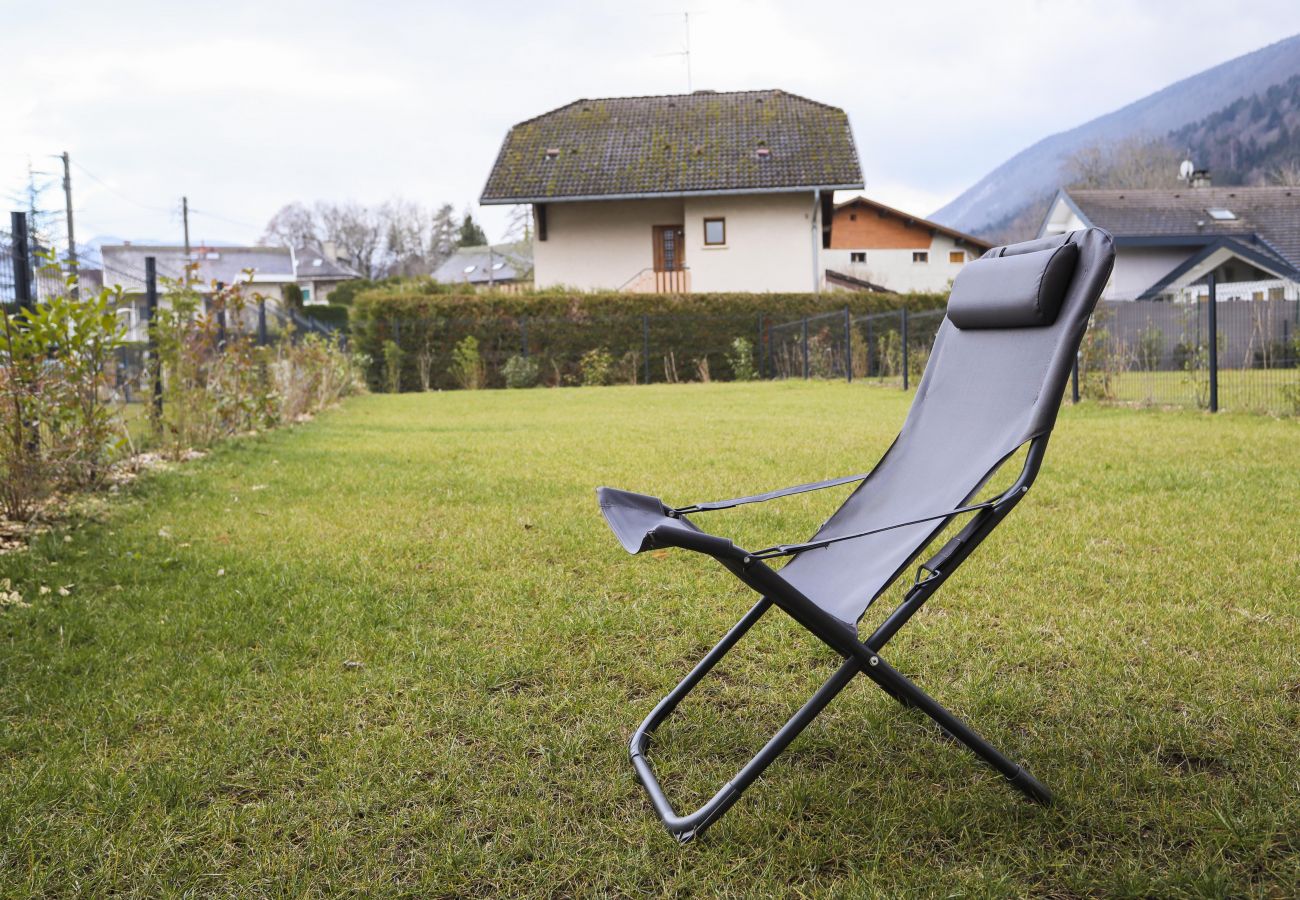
{"points": [[519, 227], [356, 231], [1132, 163], [406, 237], [1284, 174], [293, 226]]}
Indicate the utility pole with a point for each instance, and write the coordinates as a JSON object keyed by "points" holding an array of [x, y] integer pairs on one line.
{"points": [[185, 218], [72, 239]]}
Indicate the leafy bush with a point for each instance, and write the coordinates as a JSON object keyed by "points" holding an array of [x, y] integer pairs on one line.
{"points": [[332, 315], [520, 372], [741, 360], [392, 367], [55, 428], [467, 364], [293, 297], [1150, 348], [597, 367]]}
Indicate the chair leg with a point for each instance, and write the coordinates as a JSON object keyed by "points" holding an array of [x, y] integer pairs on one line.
{"points": [[688, 827], [902, 688]]}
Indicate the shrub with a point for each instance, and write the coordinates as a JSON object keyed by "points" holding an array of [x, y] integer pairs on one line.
{"points": [[559, 326], [597, 367], [467, 364], [55, 428], [741, 360], [520, 372], [1151, 348], [392, 367], [293, 297], [331, 315]]}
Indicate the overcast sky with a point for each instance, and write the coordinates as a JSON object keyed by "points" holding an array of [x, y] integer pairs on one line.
{"points": [[246, 106]]}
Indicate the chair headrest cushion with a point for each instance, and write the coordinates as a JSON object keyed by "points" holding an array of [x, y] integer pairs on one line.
{"points": [[1020, 291]]}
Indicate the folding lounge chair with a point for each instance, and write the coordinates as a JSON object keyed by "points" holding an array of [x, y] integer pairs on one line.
{"points": [[994, 383]]}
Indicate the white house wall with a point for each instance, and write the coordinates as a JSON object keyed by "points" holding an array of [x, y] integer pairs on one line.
{"points": [[606, 245], [769, 243], [1138, 268], [894, 269], [600, 245]]}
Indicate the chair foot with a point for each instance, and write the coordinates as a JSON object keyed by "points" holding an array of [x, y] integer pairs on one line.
{"points": [[1032, 788]]}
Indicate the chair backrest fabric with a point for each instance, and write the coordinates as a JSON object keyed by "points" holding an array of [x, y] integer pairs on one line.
{"points": [[995, 380]]}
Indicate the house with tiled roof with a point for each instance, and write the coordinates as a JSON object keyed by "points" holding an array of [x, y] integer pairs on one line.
{"points": [[489, 266], [692, 192], [888, 249], [1168, 240], [319, 270]]}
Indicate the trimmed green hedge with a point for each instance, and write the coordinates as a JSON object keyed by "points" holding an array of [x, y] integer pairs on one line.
{"points": [[683, 332], [332, 314]]}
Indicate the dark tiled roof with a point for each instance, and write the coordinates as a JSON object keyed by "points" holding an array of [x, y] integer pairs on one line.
{"points": [[507, 262], [701, 142], [315, 265], [1271, 213]]}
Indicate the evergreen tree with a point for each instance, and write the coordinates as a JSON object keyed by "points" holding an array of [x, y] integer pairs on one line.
{"points": [[470, 233]]}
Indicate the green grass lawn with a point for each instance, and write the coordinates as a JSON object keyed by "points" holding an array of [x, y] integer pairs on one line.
{"points": [[397, 651]]}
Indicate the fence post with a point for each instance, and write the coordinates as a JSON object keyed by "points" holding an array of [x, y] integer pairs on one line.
{"points": [[523, 335], [1074, 380], [221, 315], [805, 347], [22, 258], [758, 347], [848, 346], [155, 361], [868, 336], [1214, 343], [645, 345], [902, 328], [771, 358], [261, 322]]}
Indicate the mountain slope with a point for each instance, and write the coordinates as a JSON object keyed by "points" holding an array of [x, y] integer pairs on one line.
{"points": [[1024, 179], [1250, 139]]}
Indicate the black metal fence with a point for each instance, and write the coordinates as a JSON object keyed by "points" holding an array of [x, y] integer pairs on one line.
{"points": [[1159, 353]]}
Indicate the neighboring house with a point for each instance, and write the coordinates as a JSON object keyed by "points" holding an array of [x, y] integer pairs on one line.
{"points": [[1168, 240], [264, 270], [877, 246], [499, 265], [319, 270], [691, 192]]}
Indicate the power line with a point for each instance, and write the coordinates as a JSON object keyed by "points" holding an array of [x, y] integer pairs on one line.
{"points": [[104, 184], [228, 221]]}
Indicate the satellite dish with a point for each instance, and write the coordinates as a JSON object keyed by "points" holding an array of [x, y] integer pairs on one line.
{"points": [[1186, 169]]}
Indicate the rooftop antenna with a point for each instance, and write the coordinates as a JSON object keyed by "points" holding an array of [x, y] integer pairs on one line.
{"points": [[686, 20], [685, 52]]}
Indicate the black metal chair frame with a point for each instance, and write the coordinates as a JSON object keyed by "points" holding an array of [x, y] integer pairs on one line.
{"points": [[859, 656]]}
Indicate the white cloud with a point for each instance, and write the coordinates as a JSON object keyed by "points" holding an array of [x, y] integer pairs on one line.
{"points": [[251, 105]]}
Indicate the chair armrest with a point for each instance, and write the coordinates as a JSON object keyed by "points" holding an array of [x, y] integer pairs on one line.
{"points": [[641, 522], [770, 495]]}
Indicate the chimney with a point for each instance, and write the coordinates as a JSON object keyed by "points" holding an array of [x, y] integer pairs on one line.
{"points": [[330, 250], [1201, 178]]}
